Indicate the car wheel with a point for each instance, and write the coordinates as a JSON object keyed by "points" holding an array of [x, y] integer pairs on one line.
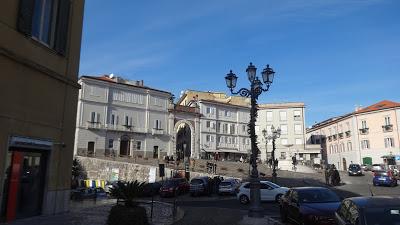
{"points": [[278, 197], [283, 214], [244, 199]]}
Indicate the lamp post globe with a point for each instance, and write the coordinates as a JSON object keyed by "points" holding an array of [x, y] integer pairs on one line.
{"points": [[256, 88]]}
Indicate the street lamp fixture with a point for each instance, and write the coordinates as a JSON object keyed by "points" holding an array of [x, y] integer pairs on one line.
{"points": [[256, 88], [276, 133]]}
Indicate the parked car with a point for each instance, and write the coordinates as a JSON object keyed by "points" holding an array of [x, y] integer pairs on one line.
{"points": [[174, 187], [100, 192], [114, 184], [228, 186], [366, 167], [377, 167], [150, 189], [317, 166], [395, 169], [309, 206], [269, 192], [377, 210], [200, 186], [355, 170], [83, 193], [385, 178]]}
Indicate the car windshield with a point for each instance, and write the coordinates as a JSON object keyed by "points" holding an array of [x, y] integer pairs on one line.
{"points": [[354, 166], [196, 181], [382, 216], [273, 185], [317, 196], [225, 183]]}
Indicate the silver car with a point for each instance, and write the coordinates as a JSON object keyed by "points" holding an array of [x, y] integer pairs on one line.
{"points": [[269, 192], [228, 186]]}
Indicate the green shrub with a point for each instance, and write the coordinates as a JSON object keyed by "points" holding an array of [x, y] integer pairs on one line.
{"points": [[128, 192], [123, 215]]}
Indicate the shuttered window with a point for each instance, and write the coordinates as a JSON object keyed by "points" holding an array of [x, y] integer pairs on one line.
{"points": [[45, 21]]}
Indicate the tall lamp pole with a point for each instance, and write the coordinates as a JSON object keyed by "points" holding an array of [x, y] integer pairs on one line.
{"points": [[276, 133], [256, 88]]}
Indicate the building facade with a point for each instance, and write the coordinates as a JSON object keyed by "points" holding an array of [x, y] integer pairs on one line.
{"points": [[290, 118], [117, 117], [366, 136], [39, 61]]}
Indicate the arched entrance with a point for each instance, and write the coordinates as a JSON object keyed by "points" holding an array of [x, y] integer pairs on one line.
{"points": [[183, 141], [124, 146]]}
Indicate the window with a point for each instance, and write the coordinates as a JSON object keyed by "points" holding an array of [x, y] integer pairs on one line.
{"points": [[218, 127], [363, 124], [227, 113], [138, 145], [283, 155], [298, 141], [349, 148], [208, 110], [208, 138], [157, 124], [212, 139], [268, 129], [297, 129], [244, 140], [221, 139], [126, 121], [225, 129], [232, 129], [284, 141], [284, 129], [283, 115], [365, 144], [110, 143], [297, 114], [112, 119], [229, 140], [269, 116], [93, 117], [208, 124], [389, 142], [46, 21], [243, 128], [387, 120]]}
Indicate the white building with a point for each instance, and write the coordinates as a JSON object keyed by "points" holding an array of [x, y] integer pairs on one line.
{"points": [[117, 117], [290, 118]]}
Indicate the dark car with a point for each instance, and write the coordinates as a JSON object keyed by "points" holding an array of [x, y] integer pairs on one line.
{"points": [[200, 186], [150, 189], [355, 170], [309, 206], [83, 193], [385, 178], [100, 192], [378, 210], [174, 187]]}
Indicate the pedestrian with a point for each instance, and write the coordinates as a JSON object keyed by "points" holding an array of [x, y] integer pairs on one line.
{"points": [[276, 163], [327, 175], [270, 162], [241, 159]]}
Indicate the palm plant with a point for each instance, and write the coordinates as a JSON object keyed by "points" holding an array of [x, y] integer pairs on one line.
{"points": [[128, 192]]}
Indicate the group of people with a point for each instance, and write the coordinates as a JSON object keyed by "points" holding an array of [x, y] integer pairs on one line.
{"points": [[211, 167], [272, 162], [332, 175]]}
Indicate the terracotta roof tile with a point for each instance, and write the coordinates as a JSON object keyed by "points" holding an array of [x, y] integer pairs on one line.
{"points": [[385, 104]]}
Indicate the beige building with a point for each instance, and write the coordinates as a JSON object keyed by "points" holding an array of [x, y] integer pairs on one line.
{"points": [[368, 135], [39, 61]]}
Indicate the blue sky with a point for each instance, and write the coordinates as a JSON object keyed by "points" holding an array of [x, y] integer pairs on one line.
{"points": [[329, 54]]}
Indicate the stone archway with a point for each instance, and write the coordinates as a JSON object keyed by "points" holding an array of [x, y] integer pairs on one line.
{"points": [[185, 139]]}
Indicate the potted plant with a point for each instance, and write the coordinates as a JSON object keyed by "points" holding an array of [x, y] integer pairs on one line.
{"points": [[127, 210]]}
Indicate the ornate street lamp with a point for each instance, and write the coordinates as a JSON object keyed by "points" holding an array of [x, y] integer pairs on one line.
{"points": [[256, 88], [275, 135]]}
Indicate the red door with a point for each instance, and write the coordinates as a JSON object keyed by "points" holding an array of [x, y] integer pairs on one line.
{"points": [[16, 166]]}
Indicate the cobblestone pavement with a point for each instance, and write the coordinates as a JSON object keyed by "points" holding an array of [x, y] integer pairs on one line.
{"points": [[95, 213]]}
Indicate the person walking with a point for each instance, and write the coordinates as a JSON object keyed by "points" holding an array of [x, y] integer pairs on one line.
{"points": [[276, 163], [327, 174]]}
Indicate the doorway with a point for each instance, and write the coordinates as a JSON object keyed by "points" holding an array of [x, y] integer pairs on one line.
{"points": [[24, 185], [90, 148], [155, 152], [344, 164], [124, 146]]}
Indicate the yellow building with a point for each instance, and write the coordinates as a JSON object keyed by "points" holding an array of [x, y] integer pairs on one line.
{"points": [[39, 61]]}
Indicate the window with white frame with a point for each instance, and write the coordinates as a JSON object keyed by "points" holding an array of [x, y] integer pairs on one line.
{"points": [[229, 140], [389, 142], [387, 120], [284, 141], [363, 124], [208, 138], [208, 110], [243, 128], [227, 113], [110, 143], [221, 139], [93, 117], [112, 121], [218, 127], [284, 129], [212, 138], [226, 139], [298, 129], [232, 129], [243, 140], [138, 145], [283, 115], [269, 116], [365, 144], [349, 147], [297, 114], [208, 124], [225, 128], [298, 141], [157, 124]]}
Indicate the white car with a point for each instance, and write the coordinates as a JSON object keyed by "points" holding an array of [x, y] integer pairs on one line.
{"points": [[269, 192]]}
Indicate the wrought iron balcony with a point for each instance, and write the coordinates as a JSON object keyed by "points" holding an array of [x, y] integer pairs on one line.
{"points": [[387, 128], [364, 130]]}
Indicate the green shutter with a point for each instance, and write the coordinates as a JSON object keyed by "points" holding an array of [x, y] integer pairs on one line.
{"points": [[25, 15], [62, 22]]}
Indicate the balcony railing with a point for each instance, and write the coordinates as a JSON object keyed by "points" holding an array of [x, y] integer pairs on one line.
{"points": [[157, 131], [348, 133], [93, 125], [387, 128], [364, 130], [341, 136]]}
